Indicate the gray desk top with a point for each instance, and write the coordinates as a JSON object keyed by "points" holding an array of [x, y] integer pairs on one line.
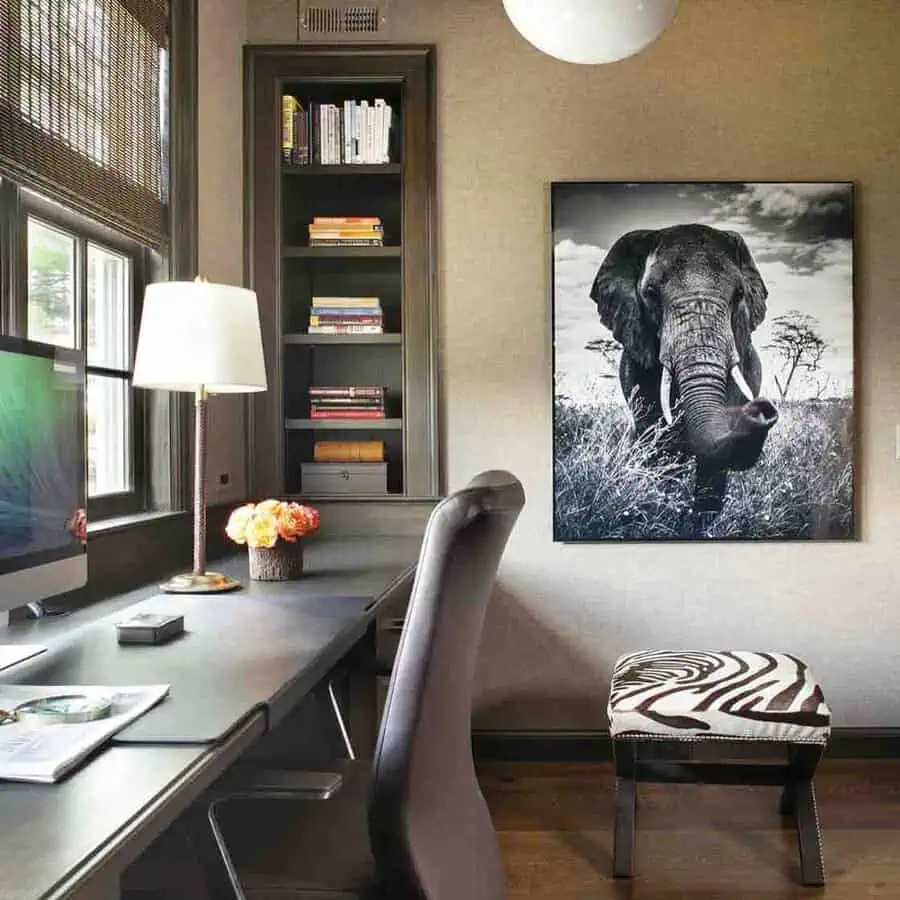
{"points": [[67, 839], [261, 647]]}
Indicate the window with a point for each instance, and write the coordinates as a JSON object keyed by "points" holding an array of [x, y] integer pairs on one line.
{"points": [[81, 117], [82, 281], [94, 203]]}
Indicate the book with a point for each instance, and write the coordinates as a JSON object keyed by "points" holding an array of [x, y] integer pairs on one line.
{"points": [[44, 753], [348, 451], [346, 242], [346, 302], [346, 414], [346, 329], [289, 109], [348, 402], [346, 220], [350, 391]]}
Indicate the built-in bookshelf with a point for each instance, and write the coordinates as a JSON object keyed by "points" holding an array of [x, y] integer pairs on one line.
{"points": [[342, 259]]}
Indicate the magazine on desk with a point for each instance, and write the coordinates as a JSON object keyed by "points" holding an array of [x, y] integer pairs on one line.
{"points": [[46, 752]]}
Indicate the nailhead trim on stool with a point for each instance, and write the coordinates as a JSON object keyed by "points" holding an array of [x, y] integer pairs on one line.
{"points": [[719, 695]]}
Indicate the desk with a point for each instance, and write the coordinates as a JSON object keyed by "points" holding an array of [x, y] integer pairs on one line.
{"points": [[262, 647], [74, 838], [63, 840]]}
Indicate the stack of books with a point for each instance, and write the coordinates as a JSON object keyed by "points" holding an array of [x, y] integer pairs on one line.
{"points": [[346, 403], [346, 231], [346, 315], [358, 132]]}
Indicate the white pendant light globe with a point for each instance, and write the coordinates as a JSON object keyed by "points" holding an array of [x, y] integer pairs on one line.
{"points": [[590, 31]]}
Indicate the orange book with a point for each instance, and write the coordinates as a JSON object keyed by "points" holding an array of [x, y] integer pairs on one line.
{"points": [[348, 451]]}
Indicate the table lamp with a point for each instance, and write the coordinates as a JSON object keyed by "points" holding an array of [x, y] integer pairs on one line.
{"points": [[205, 338]]}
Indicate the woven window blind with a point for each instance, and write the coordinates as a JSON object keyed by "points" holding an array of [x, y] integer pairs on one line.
{"points": [[81, 93]]}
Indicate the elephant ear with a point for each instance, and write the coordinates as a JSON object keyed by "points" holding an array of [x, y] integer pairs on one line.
{"points": [[754, 287], [615, 291]]}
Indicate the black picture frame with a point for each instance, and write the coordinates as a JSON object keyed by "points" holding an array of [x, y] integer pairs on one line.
{"points": [[692, 279]]}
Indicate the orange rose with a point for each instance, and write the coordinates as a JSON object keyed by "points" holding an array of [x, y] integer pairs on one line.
{"points": [[295, 520]]}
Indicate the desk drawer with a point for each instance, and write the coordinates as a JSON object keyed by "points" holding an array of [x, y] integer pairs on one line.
{"points": [[344, 478]]}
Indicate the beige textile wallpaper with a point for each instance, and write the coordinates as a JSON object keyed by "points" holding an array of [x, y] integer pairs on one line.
{"points": [[221, 32], [759, 90]]}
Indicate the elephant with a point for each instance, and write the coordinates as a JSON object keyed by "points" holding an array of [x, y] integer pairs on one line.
{"points": [[683, 302]]}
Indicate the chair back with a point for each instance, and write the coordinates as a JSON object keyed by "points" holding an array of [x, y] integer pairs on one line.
{"points": [[430, 829]]}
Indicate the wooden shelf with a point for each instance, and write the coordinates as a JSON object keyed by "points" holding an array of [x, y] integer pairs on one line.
{"points": [[350, 169], [298, 251], [319, 497], [284, 199], [301, 338], [343, 424]]}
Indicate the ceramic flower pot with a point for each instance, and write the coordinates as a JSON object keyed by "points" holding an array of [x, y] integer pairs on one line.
{"points": [[282, 562]]}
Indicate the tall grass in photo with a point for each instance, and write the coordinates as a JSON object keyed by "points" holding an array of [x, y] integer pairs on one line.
{"points": [[611, 485]]}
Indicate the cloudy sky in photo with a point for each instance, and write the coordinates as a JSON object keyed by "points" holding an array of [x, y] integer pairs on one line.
{"points": [[800, 236]]}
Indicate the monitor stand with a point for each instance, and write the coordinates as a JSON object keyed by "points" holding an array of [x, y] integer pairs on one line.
{"points": [[12, 654]]}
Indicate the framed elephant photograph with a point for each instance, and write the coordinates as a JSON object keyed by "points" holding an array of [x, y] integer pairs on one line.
{"points": [[702, 361]]}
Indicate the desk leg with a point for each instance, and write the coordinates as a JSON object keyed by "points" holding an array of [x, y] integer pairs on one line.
{"points": [[363, 699]]}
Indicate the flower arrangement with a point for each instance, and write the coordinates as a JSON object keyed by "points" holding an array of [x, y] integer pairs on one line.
{"points": [[272, 530], [76, 525], [261, 525]]}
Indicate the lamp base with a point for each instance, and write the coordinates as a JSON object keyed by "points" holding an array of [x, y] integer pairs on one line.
{"points": [[206, 583]]}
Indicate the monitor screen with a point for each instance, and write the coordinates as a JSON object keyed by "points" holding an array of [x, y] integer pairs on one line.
{"points": [[42, 465]]}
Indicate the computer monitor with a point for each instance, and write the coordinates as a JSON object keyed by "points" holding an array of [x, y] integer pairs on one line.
{"points": [[43, 480]]}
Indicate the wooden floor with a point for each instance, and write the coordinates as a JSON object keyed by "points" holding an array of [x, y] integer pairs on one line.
{"points": [[693, 842], [555, 827]]}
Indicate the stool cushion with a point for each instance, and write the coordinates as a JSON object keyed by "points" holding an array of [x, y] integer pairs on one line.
{"points": [[708, 694]]}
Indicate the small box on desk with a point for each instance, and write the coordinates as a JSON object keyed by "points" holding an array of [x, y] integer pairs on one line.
{"points": [[344, 478], [150, 628]]}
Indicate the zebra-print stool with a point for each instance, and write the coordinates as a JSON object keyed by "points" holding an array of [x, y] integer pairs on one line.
{"points": [[688, 696]]}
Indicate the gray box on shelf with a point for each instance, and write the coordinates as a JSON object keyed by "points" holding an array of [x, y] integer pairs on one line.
{"points": [[344, 478]]}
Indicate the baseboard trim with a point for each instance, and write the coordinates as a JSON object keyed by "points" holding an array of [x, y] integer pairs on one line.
{"points": [[595, 746]]}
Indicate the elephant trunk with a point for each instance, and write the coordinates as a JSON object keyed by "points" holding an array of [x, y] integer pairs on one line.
{"points": [[721, 436]]}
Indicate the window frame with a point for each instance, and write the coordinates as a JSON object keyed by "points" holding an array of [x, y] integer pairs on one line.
{"points": [[85, 231], [165, 417]]}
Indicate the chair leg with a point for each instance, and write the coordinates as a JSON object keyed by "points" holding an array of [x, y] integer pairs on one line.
{"points": [[336, 708], [625, 753], [227, 861], [805, 758]]}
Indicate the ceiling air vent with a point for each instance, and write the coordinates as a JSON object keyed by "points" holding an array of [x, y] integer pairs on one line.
{"points": [[342, 19]]}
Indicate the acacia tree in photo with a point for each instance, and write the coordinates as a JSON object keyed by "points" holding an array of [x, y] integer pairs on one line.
{"points": [[610, 351], [796, 339]]}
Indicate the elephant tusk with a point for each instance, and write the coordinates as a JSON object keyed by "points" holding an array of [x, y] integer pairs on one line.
{"points": [[665, 395], [739, 380]]}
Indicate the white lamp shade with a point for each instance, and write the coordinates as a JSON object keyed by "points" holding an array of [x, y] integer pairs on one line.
{"points": [[195, 334], [590, 31]]}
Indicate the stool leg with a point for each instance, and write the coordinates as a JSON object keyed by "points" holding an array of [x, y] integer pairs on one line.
{"points": [[625, 754], [805, 758], [788, 805]]}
